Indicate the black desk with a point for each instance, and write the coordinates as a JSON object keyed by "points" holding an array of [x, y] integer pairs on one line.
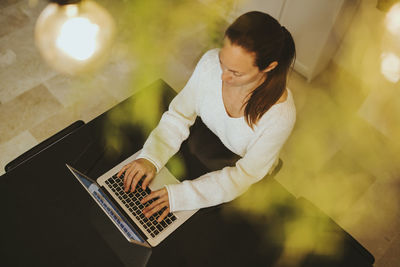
{"points": [[48, 220]]}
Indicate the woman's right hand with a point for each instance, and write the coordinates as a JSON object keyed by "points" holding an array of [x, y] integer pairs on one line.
{"points": [[135, 171]]}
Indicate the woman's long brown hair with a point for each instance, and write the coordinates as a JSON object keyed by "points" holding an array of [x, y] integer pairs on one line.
{"points": [[261, 34]]}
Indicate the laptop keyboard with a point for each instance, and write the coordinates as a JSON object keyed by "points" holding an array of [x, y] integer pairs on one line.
{"points": [[132, 203]]}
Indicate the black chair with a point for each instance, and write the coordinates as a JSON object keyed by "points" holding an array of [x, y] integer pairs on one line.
{"points": [[43, 145]]}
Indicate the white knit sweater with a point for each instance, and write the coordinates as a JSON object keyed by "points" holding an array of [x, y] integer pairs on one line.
{"points": [[259, 148]]}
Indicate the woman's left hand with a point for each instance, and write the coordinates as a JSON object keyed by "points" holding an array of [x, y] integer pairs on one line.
{"points": [[161, 201]]}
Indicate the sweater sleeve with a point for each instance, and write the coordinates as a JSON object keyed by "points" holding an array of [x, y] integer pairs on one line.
{"points": [[226, 184], [164, 141]]}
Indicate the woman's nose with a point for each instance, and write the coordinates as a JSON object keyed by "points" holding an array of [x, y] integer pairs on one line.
{"points": [[225, 76]]}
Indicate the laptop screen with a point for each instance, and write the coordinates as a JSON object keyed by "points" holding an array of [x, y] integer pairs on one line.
{"points": [[124, 226]]}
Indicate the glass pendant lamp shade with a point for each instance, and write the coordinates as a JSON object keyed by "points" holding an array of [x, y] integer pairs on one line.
{"points": [[74, 36]]}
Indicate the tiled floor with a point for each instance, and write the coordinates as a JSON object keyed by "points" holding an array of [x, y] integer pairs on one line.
{"points": [[342, 174], [353, 179]]}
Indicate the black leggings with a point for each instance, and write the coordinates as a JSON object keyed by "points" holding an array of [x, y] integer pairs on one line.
{"points": [[203, 151]]}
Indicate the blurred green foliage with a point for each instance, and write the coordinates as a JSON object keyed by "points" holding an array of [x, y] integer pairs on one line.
{"points": [[333, 155]]}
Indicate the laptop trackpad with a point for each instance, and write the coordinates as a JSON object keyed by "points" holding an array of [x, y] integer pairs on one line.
{"points": [[163, 177]]}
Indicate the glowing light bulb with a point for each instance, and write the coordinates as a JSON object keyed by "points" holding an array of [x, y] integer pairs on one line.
{"points": [[83, 30], [393, 20], [390, 67], [74, 38]]}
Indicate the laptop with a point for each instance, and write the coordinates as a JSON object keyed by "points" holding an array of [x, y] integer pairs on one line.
{"points": [[124, 208]]}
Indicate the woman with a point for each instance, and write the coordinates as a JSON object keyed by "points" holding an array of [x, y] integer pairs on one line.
{"points": [[240, 94]]}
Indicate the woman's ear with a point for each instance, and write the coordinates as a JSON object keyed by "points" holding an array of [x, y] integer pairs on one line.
{"points": [[271, 66]]}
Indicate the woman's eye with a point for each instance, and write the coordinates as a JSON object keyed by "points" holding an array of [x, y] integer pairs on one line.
{"points": [[237, 74]]}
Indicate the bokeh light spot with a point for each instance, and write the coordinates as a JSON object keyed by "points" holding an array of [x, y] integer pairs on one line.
{"points": [[390, 67], [393, 20]]}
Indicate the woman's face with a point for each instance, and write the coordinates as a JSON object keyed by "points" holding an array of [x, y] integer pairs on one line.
{"points": [[237, 65]]}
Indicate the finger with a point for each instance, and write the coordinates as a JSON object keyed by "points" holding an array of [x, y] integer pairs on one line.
{"points": [[126, 178], [148, 197], [136, 180], [129, 175], [152, 195], [163, 215], [155, 209], [122, 170], [153, 205], [127, 171], [147, 180]]}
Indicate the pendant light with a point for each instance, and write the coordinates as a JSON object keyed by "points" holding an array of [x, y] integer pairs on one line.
{"points": [[73, 36]]}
